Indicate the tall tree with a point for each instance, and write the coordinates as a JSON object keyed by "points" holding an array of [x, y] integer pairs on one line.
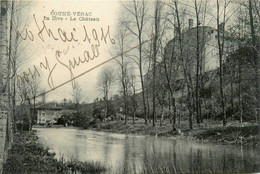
{"points": [[123, 65], [28, 91], [200, 13], [198, 62], [34, 86], [256, 46], [16, 48], [157, 21], [25, 104], [133, 100], [185, 62], [161, 92], [76, 95], [135, 24], [221, 43], [104, 84]]}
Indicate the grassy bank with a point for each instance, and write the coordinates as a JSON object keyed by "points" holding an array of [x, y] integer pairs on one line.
{"points": [[27, 156], [233, 133]]}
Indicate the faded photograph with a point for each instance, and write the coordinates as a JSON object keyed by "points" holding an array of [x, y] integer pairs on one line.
{"points": [[131, 86]]}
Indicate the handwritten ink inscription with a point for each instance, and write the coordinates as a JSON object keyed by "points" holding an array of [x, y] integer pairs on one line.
{"points": [[92, 40]]}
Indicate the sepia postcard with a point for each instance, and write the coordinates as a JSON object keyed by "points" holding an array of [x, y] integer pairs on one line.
{"points": [[130, 86]]}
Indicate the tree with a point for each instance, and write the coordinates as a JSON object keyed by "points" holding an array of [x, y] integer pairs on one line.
{"points": [[16, 49], [184, 57], [148, 62], [24, 99], [256, 46], [34, 87], [135, 24], [157, 22], [123, 65], [43, 92], [28, 91], [76, 95], [171, 64], [197, 7], [247, 38], [221, 43], [161, 92], [104, 84], [133, 101]]}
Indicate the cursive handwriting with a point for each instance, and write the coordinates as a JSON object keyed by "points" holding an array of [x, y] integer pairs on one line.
{"points": [[92, 39], [76, 61], [61, 35], [26, 75], [70, 65], [46, 66]]}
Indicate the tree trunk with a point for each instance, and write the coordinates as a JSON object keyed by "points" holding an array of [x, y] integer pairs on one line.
{"points": [[156, 27], [239, 90], [14, 70], [33, 109], [162, 114], [134, 118], [197, 65], [231, 91], [124, 90], [142, 81], [221, 53], [256, 45], [186, 75]]}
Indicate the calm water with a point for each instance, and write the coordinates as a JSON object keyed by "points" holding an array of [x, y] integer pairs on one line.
{"points": [[129, 154]]}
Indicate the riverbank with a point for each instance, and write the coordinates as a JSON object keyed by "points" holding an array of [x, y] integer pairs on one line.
{"points": [[27, 156], [233, 133]]}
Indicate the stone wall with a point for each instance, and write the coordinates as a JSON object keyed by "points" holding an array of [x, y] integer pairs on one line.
{"points": [[5, 121]]}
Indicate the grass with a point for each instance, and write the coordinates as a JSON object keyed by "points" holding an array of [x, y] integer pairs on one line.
{"points": [[233, 133], [27, 156]]}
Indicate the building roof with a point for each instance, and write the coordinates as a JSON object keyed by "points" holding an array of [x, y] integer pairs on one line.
{"points": [[191, 30], [48, 106]]}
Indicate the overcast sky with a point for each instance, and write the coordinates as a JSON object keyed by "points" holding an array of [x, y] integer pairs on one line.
{"points": [[44, 47]]}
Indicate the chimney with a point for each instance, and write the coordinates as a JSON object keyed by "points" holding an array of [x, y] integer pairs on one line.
{"points": [[190, 23]]}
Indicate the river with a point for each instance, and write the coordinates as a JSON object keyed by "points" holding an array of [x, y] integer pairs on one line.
{"points": [[132, 154]]}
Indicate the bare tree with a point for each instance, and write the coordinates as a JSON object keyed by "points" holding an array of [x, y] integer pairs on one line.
{"points": [[104, 84], [157, 22], [43, 92], [34, 86], [253, 6], [135, 24], [183, 55], [221, 44], [161, 92], [171, 64], [133, 101], [28, 91], [198, 62], [76, 95], [123, 64], [149, 77], [16, 49], [24, 99]]}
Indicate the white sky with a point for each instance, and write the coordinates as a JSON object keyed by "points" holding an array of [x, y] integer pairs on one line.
{"points": [[106, 11]]}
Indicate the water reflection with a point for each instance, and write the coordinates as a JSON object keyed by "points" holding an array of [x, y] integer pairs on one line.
{"points": [[135, 154]]}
